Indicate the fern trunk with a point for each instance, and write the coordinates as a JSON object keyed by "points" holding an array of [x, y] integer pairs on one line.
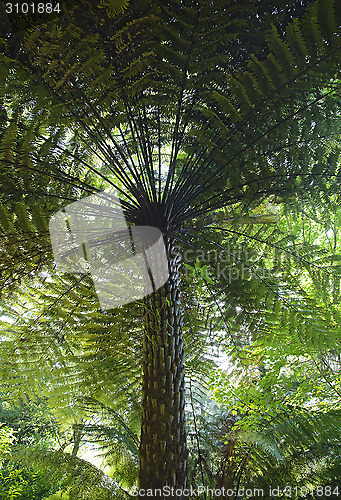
{"points": [[163, 451]]}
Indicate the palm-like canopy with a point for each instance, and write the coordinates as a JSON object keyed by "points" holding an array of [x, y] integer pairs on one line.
{"points": [[185, 116]]}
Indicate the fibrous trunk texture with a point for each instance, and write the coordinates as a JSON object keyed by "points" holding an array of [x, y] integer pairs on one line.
{"points": [[163, 452]]}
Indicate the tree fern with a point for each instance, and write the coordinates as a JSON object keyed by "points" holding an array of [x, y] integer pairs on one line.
{"points": [[181, 131]]}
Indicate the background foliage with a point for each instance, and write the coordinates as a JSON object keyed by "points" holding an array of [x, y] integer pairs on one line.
{"points": [[226, 117]]}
